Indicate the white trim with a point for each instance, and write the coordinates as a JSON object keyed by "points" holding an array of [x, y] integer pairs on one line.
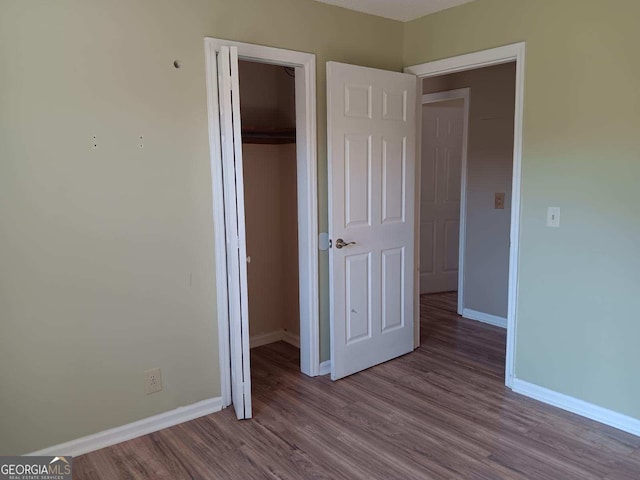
{"points": [[272, 337], [416, 218], [291, 338], [465, 95], [307, 167], [469, 61], [106, 438], [484, 318], [577, 406], [265, 338], [325, 367], [495, 56], [514, 246], [306, 132]]}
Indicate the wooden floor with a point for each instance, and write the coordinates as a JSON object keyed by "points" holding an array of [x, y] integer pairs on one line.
{"points": [[441, 412]]}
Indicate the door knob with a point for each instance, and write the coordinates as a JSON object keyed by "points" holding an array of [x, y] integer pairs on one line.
{"points": [[340, 243]]}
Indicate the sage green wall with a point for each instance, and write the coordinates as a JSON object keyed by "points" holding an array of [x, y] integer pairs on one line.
{"points": [[578, 325], [106, 265]]}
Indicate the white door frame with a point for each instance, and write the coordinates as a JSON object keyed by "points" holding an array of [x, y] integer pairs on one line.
{"points": [[464, 94], [495, 56], [307, 174]]}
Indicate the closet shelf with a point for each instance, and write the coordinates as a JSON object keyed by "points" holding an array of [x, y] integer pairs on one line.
{"points": [[274, 136]]}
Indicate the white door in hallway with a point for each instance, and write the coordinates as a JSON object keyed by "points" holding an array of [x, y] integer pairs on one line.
{"points": [[441, 169], [372, 168]]}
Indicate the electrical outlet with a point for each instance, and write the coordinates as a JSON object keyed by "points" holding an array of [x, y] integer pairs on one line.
{"points": [[499, 201], [152, 381]]}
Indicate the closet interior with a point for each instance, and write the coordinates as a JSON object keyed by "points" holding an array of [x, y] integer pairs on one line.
{"points": [[267, 109]]}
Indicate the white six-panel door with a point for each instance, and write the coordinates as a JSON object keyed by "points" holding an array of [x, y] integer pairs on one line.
{"points": [[442, 143], [371, 135], [231, 146]]}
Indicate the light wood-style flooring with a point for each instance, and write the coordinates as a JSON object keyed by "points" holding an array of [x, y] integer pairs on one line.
{"points": [[441, 412]]}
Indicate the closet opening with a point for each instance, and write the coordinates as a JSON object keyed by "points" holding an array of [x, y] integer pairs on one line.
{"points": [[261, 103], [268, 117]]}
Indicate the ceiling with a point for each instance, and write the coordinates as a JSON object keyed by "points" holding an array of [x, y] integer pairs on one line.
{"points": [[402, 10]]}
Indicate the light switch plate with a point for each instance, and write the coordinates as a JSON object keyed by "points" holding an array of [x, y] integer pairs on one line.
{"points": [[553, 217], [499, 201]]}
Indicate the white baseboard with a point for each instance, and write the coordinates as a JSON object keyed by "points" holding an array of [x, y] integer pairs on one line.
{"points": [[265, 338], [291, 338], [325, 368], [484, 318], [133, 430], [579, 407], [272, 337]]}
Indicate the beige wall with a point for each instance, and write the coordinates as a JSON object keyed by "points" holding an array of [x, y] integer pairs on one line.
{"points": [[107, 265], [489, 170], [107, 260], [578, 285], [272, 240], [289, 240]]}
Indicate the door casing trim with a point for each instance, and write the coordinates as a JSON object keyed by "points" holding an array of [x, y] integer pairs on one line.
{"points": [[429, 98], [307, 183], [485, 58]]}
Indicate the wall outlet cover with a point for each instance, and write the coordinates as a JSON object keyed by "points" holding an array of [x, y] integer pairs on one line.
{"points": [[152, 381], [499, 201]]}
